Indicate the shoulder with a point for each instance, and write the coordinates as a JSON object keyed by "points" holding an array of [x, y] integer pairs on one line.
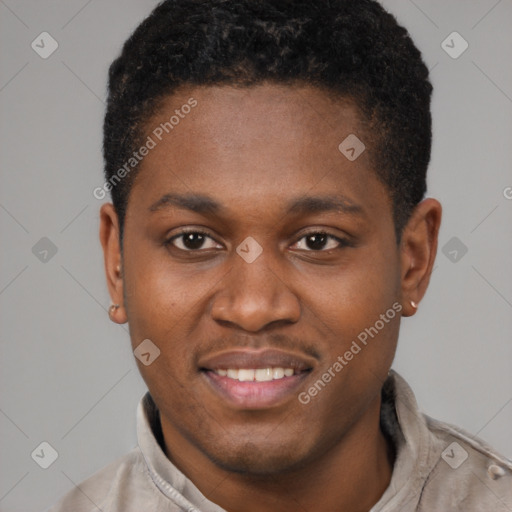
{"points": [[469, 474], [110, 487]]}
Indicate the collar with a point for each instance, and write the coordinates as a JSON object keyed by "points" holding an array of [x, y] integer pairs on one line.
{"points": [[417, 449], [165, 475]]}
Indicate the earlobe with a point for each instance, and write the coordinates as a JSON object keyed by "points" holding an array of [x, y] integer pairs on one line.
{"points": [[109, 238], [418, 253]]}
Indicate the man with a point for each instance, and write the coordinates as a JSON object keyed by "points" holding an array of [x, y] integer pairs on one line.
{"points": [[267, 164]]}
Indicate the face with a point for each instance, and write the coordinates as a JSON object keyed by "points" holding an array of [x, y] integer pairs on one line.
{"points": [[252, 243]]}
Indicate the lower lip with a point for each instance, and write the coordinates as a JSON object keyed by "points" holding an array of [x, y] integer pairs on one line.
{"points": [[253, 394]]}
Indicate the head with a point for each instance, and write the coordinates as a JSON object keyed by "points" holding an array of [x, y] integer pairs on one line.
{"points": [[275, 200]]}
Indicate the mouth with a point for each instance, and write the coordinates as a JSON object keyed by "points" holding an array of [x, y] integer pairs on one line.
{"points": [[248, 379]]}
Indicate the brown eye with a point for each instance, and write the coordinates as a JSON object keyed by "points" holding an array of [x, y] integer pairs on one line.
{"points": [[192, 241], [320, 241]]}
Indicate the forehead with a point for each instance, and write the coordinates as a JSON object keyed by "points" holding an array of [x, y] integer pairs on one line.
{"points": [[226, 117], [260, 143]]}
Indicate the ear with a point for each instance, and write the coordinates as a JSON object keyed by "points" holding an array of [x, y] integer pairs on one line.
{"points": [[109, 238], [418, 252]]}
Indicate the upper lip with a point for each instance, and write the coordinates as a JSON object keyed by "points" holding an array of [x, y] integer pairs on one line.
{"points": [[263, 358]]}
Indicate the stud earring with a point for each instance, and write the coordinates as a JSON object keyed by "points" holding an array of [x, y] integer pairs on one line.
{"points": [[112, 308], [414, 305]]}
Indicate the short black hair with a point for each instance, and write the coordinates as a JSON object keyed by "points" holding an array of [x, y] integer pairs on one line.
{"points": [[349, 48]]}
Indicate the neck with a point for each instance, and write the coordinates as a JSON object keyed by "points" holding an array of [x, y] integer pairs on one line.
{"points": [[351, 476]]}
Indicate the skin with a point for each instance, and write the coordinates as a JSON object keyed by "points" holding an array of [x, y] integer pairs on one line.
{"points": [[253, 151]]}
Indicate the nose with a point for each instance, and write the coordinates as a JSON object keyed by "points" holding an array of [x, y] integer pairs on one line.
{"points": [[254, 295]]}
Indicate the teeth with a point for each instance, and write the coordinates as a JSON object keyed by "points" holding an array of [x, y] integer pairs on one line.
{"points": [[255, 374], [244, 375], [278, 373], [263, 374]]}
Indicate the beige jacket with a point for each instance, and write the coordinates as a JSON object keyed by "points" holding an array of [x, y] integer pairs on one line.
{"points": [[439, 468]]}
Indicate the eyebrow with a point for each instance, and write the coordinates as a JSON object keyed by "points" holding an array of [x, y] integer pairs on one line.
{"points": [[303, 205], [195, 202], [319, 204]]}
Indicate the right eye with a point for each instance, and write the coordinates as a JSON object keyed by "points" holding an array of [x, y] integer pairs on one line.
{"points": [[192, 241]]}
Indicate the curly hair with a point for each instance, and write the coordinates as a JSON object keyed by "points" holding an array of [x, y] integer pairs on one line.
{"points": [[348, 48]]}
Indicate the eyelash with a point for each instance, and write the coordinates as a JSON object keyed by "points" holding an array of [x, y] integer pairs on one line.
{"points": [[343, 242]]}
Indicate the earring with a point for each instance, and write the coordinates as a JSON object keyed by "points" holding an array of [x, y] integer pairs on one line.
{"points": [[112, 309], [414, 305]]}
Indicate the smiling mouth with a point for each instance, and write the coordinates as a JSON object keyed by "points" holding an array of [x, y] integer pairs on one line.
{"points": [[255, 388], [261, 379]]}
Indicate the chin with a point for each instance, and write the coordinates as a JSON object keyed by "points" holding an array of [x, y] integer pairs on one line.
{"points": [[258, 460]]}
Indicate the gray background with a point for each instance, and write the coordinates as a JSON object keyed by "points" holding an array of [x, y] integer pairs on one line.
{"points": [[67, 374]]}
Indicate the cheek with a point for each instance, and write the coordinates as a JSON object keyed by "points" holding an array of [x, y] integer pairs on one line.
{"points": [[353, 296], [358, 312], [164, 308], [160, 296], [167, 305]]}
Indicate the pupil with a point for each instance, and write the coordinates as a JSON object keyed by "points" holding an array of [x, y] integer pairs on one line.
{"points": [[193, 240], [316, 242]]}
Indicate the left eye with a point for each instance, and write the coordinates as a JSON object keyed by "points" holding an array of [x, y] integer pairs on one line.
{"points": [[319, 242]]}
